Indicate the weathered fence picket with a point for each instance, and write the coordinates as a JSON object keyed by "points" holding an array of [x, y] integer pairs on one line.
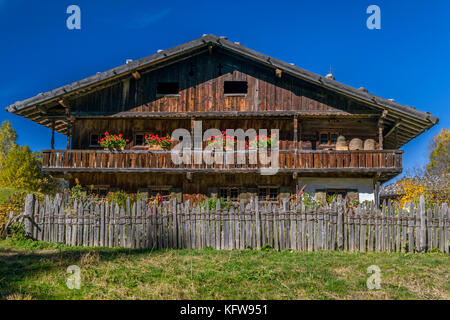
{"points": [[335, 226]]}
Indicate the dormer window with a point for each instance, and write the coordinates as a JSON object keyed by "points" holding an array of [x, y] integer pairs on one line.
{"points": [[233, 88], [168, 89]]}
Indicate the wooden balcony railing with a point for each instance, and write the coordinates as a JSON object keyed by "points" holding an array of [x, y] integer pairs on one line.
{"points": [[289, 160]]}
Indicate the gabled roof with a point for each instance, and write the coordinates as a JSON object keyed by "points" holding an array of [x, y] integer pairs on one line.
{"points": [[413, 120]]}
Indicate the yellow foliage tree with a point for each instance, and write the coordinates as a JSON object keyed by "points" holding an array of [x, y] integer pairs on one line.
{"points": [[440, 154]]}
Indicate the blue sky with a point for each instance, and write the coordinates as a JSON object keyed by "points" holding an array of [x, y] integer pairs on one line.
{"points": [[407, 60]]}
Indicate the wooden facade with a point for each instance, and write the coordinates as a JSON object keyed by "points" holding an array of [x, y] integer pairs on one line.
{"points": [[225, 86]]}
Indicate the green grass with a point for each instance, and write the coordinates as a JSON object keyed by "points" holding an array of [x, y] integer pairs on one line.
{"points": [[5, 193], [37, 270]]}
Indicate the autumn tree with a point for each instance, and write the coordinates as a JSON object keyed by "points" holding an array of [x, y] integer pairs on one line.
{"points": [[440, 154], [19, 166], [8, 137]]}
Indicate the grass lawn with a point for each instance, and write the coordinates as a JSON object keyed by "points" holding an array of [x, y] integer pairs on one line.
{"points": [[36, 270], [5, 193]]}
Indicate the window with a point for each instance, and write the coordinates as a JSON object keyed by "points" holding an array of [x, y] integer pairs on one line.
{"points": [[268, 194], [262, 194], [332, 192], [99, 191], [273, 194], [333, 138], [94, 139], [164, 192], [167, 88], [328, 137], [229, 194], [223, 193], [235, 87], [139, 139]]}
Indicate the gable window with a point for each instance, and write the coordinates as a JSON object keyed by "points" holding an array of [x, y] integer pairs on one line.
{"points": [[167, 88], [229, 194], [268, 194], [235, 87]]}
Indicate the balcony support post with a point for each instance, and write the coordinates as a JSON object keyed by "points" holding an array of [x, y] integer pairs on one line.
{"points": [[69, 124], [295, 133], [380, 129], [52, 142]]}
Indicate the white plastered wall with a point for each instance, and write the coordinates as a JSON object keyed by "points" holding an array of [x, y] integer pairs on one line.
{"points": [[363, 185]]}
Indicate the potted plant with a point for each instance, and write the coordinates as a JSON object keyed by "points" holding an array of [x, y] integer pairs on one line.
{"points": [[155, 142], [262, 141], [222, 140], [113, 142]]}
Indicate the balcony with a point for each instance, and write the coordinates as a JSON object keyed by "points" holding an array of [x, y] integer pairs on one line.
{"points": [[308, 161]]}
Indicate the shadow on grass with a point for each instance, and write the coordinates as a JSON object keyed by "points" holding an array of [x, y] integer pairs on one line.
{"points": [[20, 267]]}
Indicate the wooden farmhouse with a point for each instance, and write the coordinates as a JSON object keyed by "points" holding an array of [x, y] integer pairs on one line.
{"points": [[333, 138]]}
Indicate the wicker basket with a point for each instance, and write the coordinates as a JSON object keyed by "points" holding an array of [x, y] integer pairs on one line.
{"points": [[369, 144], [355, 144]]}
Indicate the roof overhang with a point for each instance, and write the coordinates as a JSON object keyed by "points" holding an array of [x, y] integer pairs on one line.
{"points": [[47, 108]]}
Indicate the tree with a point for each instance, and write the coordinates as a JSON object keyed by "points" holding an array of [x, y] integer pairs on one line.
{"points": [[8, 137], [21, 169], [440, 154], [19, 166]]}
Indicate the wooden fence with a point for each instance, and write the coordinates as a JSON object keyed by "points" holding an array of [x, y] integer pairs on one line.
{"points": [[337, 226]]}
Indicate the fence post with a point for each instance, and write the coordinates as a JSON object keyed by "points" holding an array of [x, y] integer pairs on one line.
{"points": [[340, 224], [423, 230], [29, 215]]}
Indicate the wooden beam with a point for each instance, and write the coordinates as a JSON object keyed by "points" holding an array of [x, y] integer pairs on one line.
{"points": [[63, 104], [396, 125], [69, 125], [295, 132], [380, 129], [136, 75], [278, 72], [380, 137], [53, 135]]}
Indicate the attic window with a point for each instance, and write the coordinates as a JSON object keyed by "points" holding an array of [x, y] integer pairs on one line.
{"points": [[235, 87], [167, 88]]}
